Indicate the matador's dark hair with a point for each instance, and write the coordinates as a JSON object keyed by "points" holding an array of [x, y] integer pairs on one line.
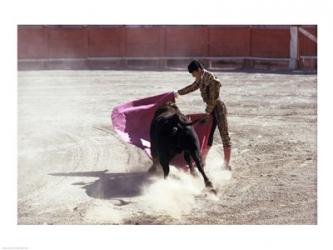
{"points": [[194, 65]]}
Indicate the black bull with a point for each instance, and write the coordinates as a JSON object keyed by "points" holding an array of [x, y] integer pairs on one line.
{"points": [[172, 133]]}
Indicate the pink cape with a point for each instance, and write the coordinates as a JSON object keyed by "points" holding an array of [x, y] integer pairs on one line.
{"points": [[132, 120]]}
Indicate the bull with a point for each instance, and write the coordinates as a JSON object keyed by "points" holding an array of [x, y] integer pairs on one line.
{"points": [[171, 133]]}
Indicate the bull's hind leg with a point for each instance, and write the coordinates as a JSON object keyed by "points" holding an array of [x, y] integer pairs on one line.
{"points": [[198, 162]]}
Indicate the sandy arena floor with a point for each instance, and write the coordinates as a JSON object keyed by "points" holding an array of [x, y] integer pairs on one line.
{"points": [[74, 169]]}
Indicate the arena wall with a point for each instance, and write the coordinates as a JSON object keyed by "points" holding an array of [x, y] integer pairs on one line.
{"points": [[163, 46]]}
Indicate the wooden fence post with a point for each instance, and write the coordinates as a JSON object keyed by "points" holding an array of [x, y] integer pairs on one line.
{"points": [[293, 47]]}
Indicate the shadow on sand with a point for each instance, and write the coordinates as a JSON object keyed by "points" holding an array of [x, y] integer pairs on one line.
{"points": [[111, 185]]}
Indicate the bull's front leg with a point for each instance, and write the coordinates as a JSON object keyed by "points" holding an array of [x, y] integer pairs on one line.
{"points": [[153, 167], [154, 155], [187, 158], [164, 160]]}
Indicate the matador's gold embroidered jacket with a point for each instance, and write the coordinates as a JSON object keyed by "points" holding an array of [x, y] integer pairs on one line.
{"points": [[209, 87]]}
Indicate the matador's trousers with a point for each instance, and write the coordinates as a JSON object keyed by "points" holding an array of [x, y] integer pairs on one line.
{"points": [[220, 121]]}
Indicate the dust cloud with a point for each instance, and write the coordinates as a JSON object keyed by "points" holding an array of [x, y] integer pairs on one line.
{"points": [[176, 195]]}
